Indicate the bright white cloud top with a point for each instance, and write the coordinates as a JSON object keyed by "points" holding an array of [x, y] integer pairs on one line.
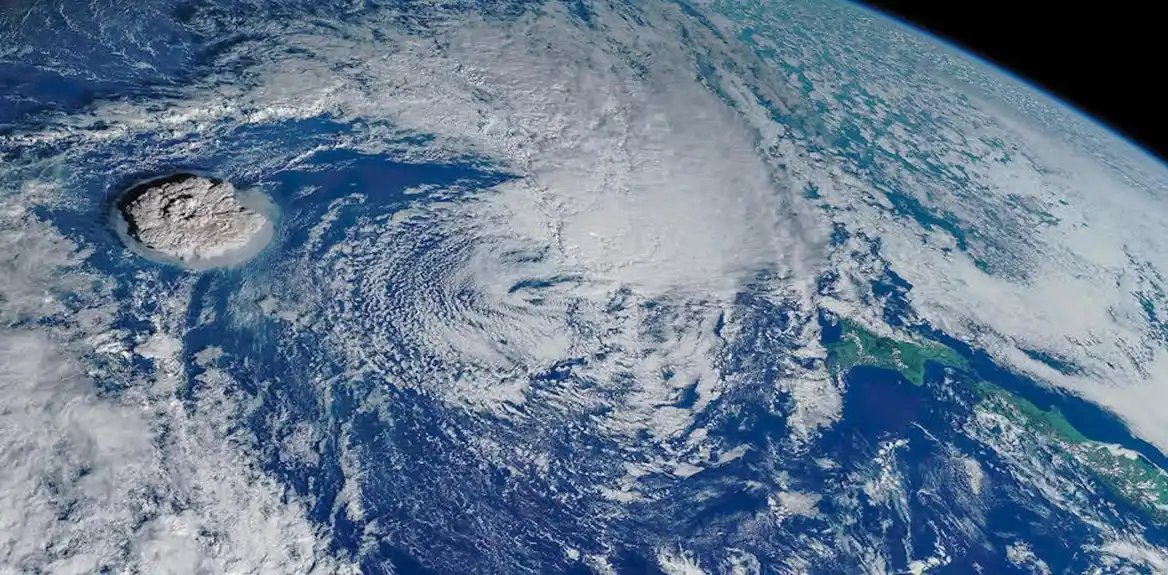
{"points": [[193, 220]]}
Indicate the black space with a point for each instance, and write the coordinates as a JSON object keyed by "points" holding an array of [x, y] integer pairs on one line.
{"points": [[1107, 59]]}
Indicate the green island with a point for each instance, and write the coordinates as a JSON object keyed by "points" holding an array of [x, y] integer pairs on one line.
{"points": [[1126, 473], [858, 346]]}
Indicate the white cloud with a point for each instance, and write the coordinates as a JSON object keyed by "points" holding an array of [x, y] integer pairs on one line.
{"points": [[1019, 224], [131, 480], [640, 207], [678, 561]]}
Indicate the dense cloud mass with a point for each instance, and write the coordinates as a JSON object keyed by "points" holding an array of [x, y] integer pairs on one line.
{"points": [[194, 220]]}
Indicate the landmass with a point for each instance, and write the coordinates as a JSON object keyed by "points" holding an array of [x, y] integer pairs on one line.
{"points": [[858, 346], [193, 220], [1127, 473]]}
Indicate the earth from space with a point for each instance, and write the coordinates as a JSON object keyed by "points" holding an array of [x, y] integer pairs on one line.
{"points": [[505, 286]]}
